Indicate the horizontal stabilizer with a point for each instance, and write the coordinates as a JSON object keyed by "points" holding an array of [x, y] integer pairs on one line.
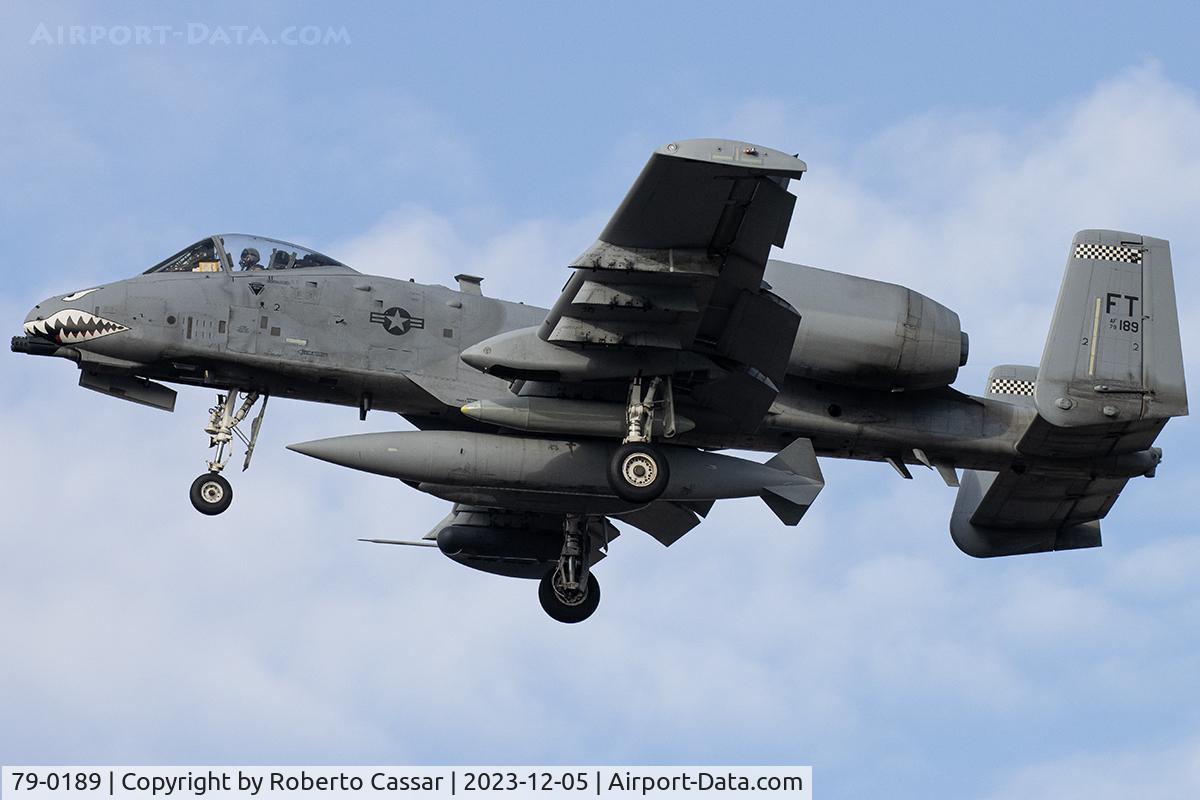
{"points": [[1007, 515]]}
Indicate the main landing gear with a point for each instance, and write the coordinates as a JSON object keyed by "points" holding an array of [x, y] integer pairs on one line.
{"points": [[638, 472], [211, 493], [570, 592]]}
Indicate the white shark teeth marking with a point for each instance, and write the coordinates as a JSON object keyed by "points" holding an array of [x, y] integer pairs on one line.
{"points": [[79, 294], [72, 326]]}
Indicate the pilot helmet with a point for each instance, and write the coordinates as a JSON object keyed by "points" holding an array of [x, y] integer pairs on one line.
{"points": [[249, 257]]}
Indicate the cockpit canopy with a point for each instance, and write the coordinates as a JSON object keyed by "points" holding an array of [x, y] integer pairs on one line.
{"points": [[236, 252]]}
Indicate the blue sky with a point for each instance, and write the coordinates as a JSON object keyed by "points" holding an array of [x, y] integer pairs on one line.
{"points": [[952, 149]]}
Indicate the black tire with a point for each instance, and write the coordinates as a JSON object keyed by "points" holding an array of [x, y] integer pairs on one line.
{"points": [[558, 610], [211, 494], [638, 473]]}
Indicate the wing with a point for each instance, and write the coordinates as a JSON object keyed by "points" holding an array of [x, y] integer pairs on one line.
{"points": [[676, 279]]}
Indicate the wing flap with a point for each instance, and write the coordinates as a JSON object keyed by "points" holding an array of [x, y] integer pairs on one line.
{"points": [[759, 330], [636, 299], [610, 331], [744, 396]]}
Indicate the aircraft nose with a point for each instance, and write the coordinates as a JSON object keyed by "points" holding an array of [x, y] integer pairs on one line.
{"points": [[63, 320], [34, 314], [38, 315]]}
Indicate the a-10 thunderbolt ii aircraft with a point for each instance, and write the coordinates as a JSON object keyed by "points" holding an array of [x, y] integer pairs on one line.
{"points": [[675, 336]]}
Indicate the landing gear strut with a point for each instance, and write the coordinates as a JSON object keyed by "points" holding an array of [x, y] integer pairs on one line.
{"points": [[570, 592], [211, 493], [638, 472]]}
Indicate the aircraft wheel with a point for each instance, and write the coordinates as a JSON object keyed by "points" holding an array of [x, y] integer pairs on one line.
{"points": [[211, 494], [559, 608], [638, 473]]}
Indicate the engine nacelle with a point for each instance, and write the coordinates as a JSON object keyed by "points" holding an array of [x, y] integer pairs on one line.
{"points": [[869, 334]]}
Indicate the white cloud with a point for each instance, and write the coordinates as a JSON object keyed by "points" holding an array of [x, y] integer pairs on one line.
{"points": [[1170, 770], [979, 217], [524, 261]]}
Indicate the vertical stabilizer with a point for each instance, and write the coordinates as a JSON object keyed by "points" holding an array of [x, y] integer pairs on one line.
{"points": [[1113, 354]]}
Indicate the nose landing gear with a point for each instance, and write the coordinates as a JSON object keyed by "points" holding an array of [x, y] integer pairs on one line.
{"points": [[211, 493]]}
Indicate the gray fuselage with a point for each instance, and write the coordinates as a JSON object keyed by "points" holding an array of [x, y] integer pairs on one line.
{"points": [[330, 334]]}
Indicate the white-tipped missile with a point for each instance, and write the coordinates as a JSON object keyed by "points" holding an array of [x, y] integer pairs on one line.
{"points": [[564, 472]]}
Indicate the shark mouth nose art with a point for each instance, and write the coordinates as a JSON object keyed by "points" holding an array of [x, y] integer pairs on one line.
{"points": [[71, 326]]}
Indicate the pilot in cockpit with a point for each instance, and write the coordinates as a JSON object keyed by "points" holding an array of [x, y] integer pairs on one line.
{"points": [[250, 260]]}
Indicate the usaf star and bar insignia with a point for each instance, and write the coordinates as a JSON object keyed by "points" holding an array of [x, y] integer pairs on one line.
{"points": [[397, 321]]}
